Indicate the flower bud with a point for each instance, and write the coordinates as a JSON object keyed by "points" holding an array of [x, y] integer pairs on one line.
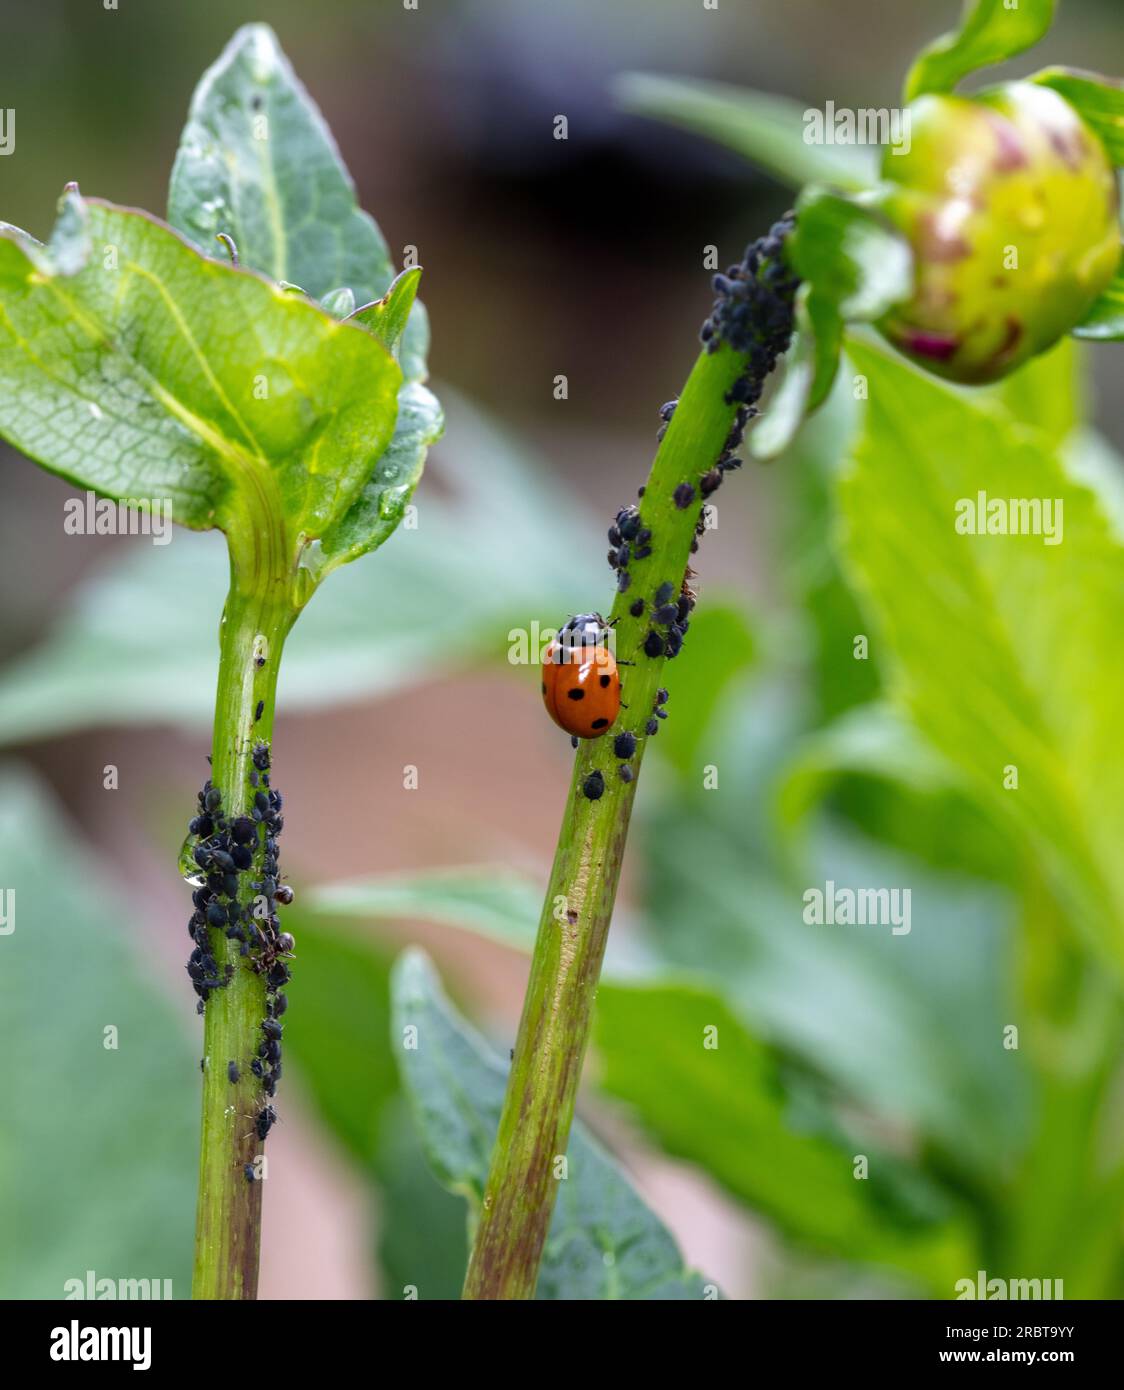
{"points": [[1010, 204]]}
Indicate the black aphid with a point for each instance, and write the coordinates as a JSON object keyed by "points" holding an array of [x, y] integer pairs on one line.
{"points": [[243, 830], [624, 745], [594, 786], [232, 1072], [259, 711]]}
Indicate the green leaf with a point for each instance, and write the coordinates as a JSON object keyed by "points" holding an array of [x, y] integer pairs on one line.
{"points": [[811, 365], [1046, 394], [257, 161], [490, 900], [724, 649], [854, 267], [109, 661], [604, 1243], [711, 1093], [423, 1241], [147, 372], [1105, 320], [991, 31], [850, 255], [876, 770], [342, 995], [867, 1010], [1099, 101], [386, 317], [769, 130], [98, 1149], [1005, 650], [789, 403], [381, 505]]}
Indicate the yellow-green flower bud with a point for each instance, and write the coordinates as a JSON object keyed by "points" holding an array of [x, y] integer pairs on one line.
{"points": [[1010, 204]]}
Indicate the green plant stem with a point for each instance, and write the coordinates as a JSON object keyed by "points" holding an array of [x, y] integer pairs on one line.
{"points": [[228, 1217], [539, 1104]]}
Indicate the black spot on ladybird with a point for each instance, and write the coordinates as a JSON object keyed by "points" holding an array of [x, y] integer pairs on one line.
{"points": [[600, 724], [576, 694]]}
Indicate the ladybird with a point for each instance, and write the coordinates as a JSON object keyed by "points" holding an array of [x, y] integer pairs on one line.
{"points": [[581, 686]]}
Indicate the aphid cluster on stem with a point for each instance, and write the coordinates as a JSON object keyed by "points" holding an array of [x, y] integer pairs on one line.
{"points": [[753, 314], [753, 310], [227, 851]]}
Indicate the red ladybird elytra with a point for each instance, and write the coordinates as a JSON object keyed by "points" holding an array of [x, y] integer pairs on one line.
{"points": [[581, 686]]}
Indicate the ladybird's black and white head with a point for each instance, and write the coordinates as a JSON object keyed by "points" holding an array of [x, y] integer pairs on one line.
{"points": [[583, 630]]}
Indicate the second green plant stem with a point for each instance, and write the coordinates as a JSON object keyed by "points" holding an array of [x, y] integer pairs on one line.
{"points": [[554, 1030]]}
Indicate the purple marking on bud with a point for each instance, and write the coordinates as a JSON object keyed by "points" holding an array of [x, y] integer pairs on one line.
{"points": [[939, 346], [1012, 152]]}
